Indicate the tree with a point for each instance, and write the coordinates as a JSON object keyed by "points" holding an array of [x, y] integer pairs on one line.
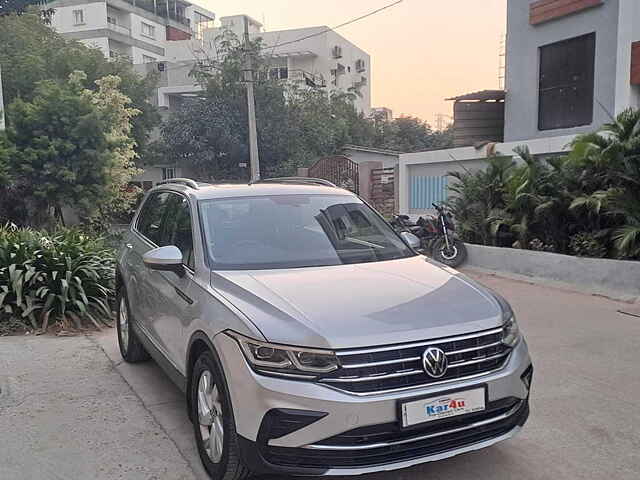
{"points": [[408, 134], [295, 125], [31, 52], [71, 145], [16, 6]]}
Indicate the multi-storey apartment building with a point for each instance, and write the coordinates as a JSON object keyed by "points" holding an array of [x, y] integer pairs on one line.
{"points": [[136, 29], [314, 56]]}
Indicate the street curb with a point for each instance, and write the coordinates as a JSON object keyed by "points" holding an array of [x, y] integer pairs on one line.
{"points": [[618, 279]]}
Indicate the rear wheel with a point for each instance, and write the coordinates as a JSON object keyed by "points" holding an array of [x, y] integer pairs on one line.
{"points": [[454, 255], [130, 347], [214, 426]]}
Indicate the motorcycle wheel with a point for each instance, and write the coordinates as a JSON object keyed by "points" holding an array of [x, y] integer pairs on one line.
{"points": [[454, 256]]}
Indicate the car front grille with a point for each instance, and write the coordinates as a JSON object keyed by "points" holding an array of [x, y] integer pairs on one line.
{"points": [[387, 443], [381, 369]]}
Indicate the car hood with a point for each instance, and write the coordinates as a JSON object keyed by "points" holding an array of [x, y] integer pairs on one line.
{"points": [[362, 305]]}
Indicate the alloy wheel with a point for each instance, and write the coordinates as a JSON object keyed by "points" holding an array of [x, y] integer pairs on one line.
{"points": [[210, 416], [123, 322]]}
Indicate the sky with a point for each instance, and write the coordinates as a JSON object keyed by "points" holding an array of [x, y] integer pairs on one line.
{"points": [[422, 51]]}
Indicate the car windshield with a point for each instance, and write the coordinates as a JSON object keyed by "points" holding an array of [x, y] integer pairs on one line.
{"points": [[288, 231]]}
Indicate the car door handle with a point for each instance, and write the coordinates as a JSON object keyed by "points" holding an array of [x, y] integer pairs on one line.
{"points": [[183, 296]]}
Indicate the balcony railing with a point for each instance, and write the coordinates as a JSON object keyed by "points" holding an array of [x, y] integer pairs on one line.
{"points": [[119, 28], [309, 79], [171, 9]]}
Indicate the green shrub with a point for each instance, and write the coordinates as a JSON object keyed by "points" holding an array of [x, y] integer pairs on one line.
{"points": [[587, 245], [65, 275]]}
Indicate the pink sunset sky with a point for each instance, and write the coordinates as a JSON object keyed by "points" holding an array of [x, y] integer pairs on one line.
{"points": [[422, 51]]}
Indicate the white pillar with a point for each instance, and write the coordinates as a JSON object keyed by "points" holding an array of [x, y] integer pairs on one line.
{"points": [[403, 186], [623, 52]]}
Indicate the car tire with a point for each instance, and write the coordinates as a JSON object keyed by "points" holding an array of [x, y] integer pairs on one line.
{"points": [[131, 349], [212, 412]]}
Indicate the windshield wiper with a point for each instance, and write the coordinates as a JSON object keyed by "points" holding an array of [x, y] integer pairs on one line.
{"points": [[364, 243]]}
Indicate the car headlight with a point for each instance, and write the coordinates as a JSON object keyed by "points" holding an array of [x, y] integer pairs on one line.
{"points": [[276, 359], [510, 330]]}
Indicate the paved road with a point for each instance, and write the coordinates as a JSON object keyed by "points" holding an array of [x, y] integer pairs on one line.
{"points": [[75, 411]]}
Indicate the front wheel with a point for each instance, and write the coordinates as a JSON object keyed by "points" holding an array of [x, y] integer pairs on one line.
{"points": [[213, 424], [453, 256]]}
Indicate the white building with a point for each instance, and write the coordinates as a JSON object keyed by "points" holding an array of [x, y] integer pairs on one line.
{"points": [[139, 30], [570, 67], [314, 56]]}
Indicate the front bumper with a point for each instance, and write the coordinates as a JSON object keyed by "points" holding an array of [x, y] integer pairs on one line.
{"points": [[341, 428]]}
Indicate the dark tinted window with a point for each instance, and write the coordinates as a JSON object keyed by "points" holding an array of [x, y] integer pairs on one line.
{"points": [[177, 228], [150, 220], [566, 83]]}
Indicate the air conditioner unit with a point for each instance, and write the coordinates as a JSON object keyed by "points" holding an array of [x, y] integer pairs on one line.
{"points": [[337, 51]]}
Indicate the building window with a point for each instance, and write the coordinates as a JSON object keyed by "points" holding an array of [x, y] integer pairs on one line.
{"points": [[168, 173], [279, 73], [112, 20], [148, 30], [148, 59], [78, 17], [566, 83]]}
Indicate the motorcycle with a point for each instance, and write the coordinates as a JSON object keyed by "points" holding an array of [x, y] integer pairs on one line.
{"points": [[436, 234]]}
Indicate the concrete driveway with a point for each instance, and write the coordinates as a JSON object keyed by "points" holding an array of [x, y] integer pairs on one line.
{"points": [[70, 409]]}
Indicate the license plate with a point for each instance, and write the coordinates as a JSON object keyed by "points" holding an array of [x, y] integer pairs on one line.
{"points": [[443, 406]]}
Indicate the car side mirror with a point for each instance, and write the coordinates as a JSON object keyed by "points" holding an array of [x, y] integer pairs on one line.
{"points": [[165, 259], [410, 239]]}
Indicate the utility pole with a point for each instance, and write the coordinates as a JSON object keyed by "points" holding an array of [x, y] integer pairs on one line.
{"points": [[251, 106], [1, 104]]}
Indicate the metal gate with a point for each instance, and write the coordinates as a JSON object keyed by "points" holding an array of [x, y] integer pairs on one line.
{"points": [[338, 169]]}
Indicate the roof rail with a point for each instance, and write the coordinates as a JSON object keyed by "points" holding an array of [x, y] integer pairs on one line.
{"points": [[299, 180], [180, 181]]}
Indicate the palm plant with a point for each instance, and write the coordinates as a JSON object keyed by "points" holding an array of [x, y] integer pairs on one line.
{"points": [[477, 196]]}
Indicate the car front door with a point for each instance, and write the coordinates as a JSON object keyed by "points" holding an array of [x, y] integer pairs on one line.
{"points": [[146, 236], [172, 292]]}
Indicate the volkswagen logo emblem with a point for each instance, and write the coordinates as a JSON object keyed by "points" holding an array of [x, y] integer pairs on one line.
{"points": [[435, 362]]}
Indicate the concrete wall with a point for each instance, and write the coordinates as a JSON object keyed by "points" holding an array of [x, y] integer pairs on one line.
{"points": [[359, 157], [95, 16], [439, 162], [522, 71], [603, 276], [154, 174]]}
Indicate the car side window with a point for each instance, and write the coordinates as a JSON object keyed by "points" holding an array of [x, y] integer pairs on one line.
{"points": [[177, 230], [150, 220]]}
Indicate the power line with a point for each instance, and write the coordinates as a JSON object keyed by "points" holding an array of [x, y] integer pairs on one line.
{"points": [[329, 29]]}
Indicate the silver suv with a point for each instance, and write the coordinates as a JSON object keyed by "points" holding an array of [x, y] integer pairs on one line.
{"points": [[309, 337]]}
